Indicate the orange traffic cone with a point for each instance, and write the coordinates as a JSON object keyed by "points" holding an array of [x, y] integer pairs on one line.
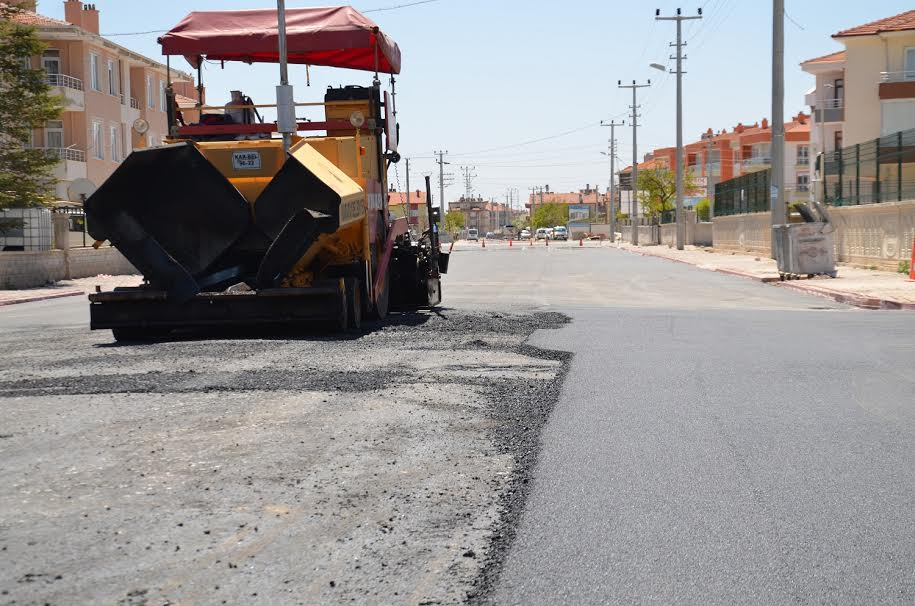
{"points": [[581, 242], [483, 243], [509, 242], [547, 242]]}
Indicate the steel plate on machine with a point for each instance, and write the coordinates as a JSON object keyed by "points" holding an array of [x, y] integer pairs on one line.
{"points": [[246, 160]]}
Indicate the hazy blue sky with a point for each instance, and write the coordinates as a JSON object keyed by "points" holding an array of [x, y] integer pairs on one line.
{"points": [[484, 74]]}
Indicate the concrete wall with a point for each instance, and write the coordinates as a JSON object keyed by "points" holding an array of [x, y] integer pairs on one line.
{"points": [[749, 233], [870, 234], [647, 234], [30, 269], [875, 234], [702, 234]]}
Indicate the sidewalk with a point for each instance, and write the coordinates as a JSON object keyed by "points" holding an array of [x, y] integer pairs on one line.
{"points": [[66, 288], [859, 287]]}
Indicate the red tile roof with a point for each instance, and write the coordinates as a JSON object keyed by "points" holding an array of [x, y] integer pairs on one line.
{"points": [[414, 198], [830, 58], [36, 20], [897, 23]]}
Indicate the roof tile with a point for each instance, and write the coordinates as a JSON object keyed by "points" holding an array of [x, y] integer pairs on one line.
{"points": [[897, 23]]}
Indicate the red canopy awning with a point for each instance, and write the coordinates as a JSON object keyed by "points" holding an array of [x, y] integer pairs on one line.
{"points": [[336, 36]]}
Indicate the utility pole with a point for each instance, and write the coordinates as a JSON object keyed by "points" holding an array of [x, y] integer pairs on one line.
{"points": [[441, 180], [777, 193], [469, 176], [679, 18], [408, 178], [611, 215], [634, 118]]}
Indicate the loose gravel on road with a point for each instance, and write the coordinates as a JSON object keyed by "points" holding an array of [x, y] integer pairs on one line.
{"points": [[384, 467]]}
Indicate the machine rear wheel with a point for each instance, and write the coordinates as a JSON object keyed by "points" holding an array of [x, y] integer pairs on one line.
{"points": [[354, 303], [126, 335]]}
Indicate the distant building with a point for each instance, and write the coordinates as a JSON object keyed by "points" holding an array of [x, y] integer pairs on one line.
{"points": [[106, 87], [587, 197], [411, 205], [484, 215]]}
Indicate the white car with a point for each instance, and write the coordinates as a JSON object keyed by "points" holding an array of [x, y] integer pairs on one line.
{"points": [[560, 233], [525, 234], [473, 234], [543, 233]]}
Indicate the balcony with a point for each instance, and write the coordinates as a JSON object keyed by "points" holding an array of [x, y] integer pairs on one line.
{"points": [[756, 163], [134, 104], [72, 166], [897, 85], [130, 113], [830, 110], [70, 88]]}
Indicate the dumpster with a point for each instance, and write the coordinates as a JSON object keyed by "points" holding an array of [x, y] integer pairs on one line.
{"points": [[805, 250]]}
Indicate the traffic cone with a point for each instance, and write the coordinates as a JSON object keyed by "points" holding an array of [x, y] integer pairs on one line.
{"points": [[581, 242], [912, 263], [509, 242], [547, 240], [532, 241], [483, 243]]}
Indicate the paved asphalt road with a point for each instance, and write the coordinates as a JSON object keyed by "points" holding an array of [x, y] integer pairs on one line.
{"points": [[716, 441]]}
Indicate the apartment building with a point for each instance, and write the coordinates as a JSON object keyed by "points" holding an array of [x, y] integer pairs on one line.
{"points": [[411, 205], [726, 154], [867, 90], [484, 215], [587, 197], [114, 98]]}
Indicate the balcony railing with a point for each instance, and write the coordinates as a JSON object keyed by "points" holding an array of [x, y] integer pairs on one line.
{"points": [[134, 104], [832, 103], [904, 76], [757, 162], [64, 81], [65, 153]]}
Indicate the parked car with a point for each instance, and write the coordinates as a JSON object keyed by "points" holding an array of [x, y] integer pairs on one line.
{"points": [[473, 234], [560, 233], [542, 233], [490, 235], [525, 234]]}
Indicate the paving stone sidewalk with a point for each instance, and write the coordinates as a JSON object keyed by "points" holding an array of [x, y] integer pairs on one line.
{"points": [[66, 288], [861, 287]]}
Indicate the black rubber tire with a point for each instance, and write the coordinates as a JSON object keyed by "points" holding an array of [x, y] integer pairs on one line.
{"points": [[353, 303], [137, 335]]}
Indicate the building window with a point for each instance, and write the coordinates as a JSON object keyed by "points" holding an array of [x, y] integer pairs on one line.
{"points": [[910, 63], [50, 61], [838, 91], [150, 100], [94, 79], [98, 143], [54, 134], [161, 95], [803, 155], [803, 183], [113, 137], [837, 140], [112, 79]]}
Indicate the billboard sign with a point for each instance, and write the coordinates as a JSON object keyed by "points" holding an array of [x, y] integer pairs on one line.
{"points": [[579, 213]]}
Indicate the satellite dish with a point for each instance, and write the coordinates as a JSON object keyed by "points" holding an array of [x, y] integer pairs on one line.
{"points": [[357, 119], [80, 189], [141, 126]]}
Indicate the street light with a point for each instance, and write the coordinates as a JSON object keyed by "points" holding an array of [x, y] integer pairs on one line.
{"points": [[658, 67]]}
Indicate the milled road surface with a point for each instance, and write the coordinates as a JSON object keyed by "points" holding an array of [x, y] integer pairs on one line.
{"points": [[715, 441]]}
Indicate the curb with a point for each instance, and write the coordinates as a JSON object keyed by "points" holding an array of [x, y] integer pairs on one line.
{"points": [[41, 298], [848, 298]]}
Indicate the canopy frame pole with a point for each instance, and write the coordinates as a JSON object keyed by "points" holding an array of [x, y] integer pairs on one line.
{"points": [[375, 50], [284, 95], [199, 82]]}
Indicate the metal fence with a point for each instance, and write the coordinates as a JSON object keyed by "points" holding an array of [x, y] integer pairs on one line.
{"points": [[881, 170], [746, 194]]}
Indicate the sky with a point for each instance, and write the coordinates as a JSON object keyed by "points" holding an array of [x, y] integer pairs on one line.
{"points": [[515, 90]]}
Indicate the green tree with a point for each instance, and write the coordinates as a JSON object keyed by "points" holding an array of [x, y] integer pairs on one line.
{"points": [[550, 215], [454, 221], [702, 209], [658, 190], [26, 103]]}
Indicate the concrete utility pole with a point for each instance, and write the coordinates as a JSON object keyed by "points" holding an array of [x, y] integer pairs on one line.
{"points": [[681, 228], [611, 215], [441, 179], [634, 117], [777, 193]]}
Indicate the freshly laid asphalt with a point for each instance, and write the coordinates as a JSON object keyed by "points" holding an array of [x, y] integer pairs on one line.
{"points": [[716, 440]]}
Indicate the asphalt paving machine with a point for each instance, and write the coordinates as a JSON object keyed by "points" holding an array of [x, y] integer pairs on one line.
{"points": [[232, 225]]}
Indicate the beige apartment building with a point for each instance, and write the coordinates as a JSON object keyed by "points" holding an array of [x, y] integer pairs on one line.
{"points": [[866, 91], [114, 97]]}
